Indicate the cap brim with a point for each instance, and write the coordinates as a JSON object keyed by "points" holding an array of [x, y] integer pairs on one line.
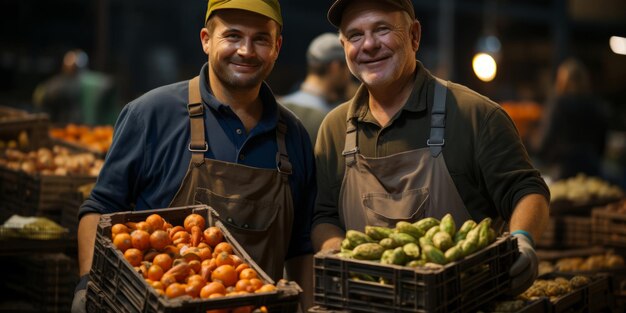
{"points": [[336, 11]]}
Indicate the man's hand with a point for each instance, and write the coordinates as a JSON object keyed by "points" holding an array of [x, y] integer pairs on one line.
{"points": [[80, 296], [524, 271]]}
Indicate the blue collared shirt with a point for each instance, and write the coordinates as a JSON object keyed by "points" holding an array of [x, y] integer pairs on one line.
{"points": [[149, 155]]}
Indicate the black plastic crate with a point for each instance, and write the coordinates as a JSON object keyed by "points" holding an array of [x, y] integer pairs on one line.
{"points": [[69, 213], [46, 280], [460, 286], [566, 231], [593, 297], [118, 280], [35, 126], [37, 195], [609, 228]]}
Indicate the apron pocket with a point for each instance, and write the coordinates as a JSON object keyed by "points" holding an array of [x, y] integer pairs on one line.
{"points": [[383, 209], [239, 213]]}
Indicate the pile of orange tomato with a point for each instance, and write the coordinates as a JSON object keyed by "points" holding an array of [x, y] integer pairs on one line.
{"points": [[188, 260]]}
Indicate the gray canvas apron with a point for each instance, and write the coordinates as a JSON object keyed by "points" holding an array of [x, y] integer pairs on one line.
{"points": [[406, 186], [255, 204]]}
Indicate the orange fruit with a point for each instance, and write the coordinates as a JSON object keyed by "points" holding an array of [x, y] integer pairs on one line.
{"points": [[243, 309], [193, 290], [256, 283], [145, 227], [168, 279], [166, 226], [196, 280], [226, 274], [212, 288], [266, 288], [193, 220], [195, 265], [213, 236], [241, 267], [172, 250], [236, 260], [223, 258], [204, 253], [123, 241], [222, 247], [133, 256], [163, 260], [140, 239], [160, 292], [118, 229], [155, 221], [181, 237], [248, 273], [175, 290], [158, 285], [244, 285], [159, 239], [155, 272]]}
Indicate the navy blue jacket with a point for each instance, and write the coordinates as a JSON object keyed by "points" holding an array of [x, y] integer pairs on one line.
{"points": [[149, 157]]}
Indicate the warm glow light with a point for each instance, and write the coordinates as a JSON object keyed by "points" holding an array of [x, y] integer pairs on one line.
{"points": [[618, 45], [485, 67]]}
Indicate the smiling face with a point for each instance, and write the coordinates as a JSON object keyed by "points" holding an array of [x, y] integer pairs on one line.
{"points": [[380, 43], [242, 48]]}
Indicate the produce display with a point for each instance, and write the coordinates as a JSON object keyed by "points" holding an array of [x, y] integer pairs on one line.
{"points": [[39, 228], [617, 207], [507, 306], [22, 142], [57, 161], [186, 261], [428, 242], [554, 288], [96, 138], [584, 189]]}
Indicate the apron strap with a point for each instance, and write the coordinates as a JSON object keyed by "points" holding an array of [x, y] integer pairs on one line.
{"points": [[282, 157], [197, 145], [438, 119], [351, 149]]}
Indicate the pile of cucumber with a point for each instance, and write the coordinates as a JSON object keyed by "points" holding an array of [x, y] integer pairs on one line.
{"points": [[424, 243]]}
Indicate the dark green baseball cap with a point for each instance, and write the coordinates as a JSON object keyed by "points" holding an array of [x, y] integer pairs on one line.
{"points": [[335, 13], [269, 8]]}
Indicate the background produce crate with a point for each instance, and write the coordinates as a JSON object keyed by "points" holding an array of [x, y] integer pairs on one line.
{"points": [[35, 126], [115, 278], [566, 231], [36, 195], [46, 281], [69, 213], [460, 286], [595, 297], [609, 228], [580, 208]]}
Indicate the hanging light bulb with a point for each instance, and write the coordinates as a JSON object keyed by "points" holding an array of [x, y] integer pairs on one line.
{"points": [[618, 45], [484, 66]]}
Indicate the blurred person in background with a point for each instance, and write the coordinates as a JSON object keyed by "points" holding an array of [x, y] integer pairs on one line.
{"points": [[380, 156], [573, 133], [77, 94], [222, 139], [325, 85]]}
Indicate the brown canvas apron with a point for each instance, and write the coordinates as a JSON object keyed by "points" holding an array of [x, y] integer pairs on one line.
{"points": [[406, 186], [254, 203]]}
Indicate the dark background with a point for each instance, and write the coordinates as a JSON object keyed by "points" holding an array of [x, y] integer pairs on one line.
{"points": [[144, 44]]}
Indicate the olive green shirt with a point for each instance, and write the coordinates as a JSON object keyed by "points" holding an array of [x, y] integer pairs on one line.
{"points": [[483, 151]]}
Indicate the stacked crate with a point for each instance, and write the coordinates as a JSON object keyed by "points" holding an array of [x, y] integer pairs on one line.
{"points": [[116, 287]]}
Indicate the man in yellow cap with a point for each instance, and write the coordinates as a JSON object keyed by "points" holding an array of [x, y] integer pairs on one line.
{"points": [[219, 139]]}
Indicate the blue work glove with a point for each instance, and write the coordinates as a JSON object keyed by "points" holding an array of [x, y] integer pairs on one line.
{"points": [[80, 295], [525, 269]]}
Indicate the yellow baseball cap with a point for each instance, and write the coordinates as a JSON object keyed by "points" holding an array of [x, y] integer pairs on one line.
{"points": [[269, 8]]}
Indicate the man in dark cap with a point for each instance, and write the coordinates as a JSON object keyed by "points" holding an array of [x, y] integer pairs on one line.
{"points": [[409, 145], [325, 84], [220, 139]]}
